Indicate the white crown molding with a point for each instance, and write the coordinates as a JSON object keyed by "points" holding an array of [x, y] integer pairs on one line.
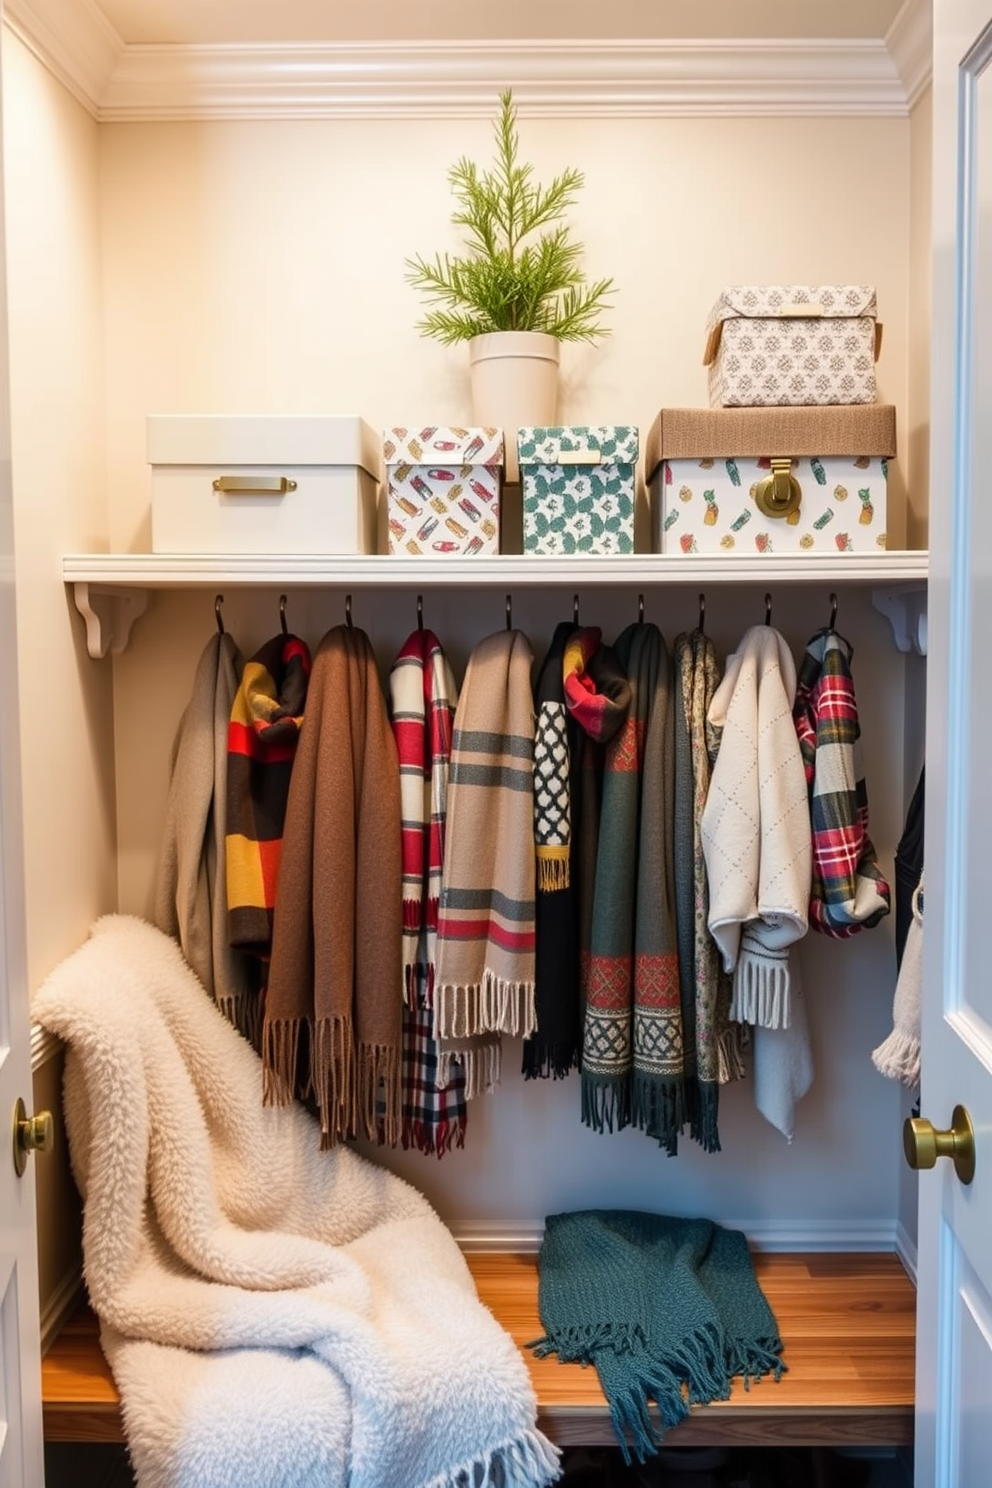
{"points": [[625, 79], [824, 1236], [909, 41], [75, 41]]}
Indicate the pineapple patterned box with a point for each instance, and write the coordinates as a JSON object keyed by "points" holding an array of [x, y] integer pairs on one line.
{"points": [[443, 490], [770, 480], [578, 488]]}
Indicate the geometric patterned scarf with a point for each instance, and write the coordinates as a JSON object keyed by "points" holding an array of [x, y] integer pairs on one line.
{"points": [[423, 699], [261, 744], [849, 892], [632, 1057]]}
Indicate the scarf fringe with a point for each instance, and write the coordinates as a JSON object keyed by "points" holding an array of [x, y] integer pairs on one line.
{"points": [[705, 1116], [755, 1359], [280, 1052], [553, 868], [244, 1012], [898, 1057], [578, 1343], [544, 1061], [658, 1108], [332, 1079], [490, 1006], [434, 1139], [378, 1093], [761, 993], [481, 1067], [418, 983], [730, 1054], [605, 1102], [527, 1460]]}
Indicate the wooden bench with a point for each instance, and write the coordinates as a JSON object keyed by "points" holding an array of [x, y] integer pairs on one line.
{"points": [[848, 1322]]}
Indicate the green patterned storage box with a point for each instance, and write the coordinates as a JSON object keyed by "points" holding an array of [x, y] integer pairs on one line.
{"points": [[578, 488]]}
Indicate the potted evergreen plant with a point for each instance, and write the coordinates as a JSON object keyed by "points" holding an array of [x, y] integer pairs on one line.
{"points": [[519, 289]]}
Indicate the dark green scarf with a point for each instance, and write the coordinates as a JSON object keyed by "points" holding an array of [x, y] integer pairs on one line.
{"points": [[668, 1310]]}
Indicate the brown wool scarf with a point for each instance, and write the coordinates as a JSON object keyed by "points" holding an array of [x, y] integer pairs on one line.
{"points": [[334, 1001], [485, 950]]}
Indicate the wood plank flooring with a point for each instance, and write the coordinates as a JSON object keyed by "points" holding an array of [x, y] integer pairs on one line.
{"points": [[848, 1323]]}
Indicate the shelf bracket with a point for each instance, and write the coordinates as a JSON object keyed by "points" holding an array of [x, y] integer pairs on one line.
{"points": [[109, 613], [905, 608]]}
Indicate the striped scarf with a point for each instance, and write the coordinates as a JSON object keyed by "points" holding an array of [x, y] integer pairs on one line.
{"points": [[848, 892], [632, 1056], [261, 747], [485, 953], [423, 697]]}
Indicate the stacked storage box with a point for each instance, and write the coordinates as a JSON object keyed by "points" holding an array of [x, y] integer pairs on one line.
{"points": [[443, 490]]}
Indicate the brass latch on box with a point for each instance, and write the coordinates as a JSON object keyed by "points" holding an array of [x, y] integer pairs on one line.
{"points": [[254, 485], [779, 494]]}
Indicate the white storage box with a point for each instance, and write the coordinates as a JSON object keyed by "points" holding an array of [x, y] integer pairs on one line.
{"points": [[770, 480], [797, 344], [236, 483]]}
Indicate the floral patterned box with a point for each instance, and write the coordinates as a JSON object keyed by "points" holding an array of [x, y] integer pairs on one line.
{"points": [[443, 494], [578, 488], [724, 481], [795, 345]]}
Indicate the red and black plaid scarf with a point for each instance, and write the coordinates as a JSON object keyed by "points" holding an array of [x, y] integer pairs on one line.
{"points": [[261, 746], [423, 700]]}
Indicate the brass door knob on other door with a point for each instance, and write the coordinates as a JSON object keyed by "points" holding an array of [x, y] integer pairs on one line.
{"points": [[923, 1144], [31, 1134]]}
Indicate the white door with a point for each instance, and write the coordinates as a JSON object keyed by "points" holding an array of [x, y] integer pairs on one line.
{"points": [[954, 1350], [21, 1464]]}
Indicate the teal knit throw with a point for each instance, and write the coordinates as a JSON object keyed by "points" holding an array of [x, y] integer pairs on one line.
{"points": [[668, 1310]]}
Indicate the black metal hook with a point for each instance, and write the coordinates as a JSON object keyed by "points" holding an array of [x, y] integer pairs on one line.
{"points": [[768, 609], [833, 612], [420, 612], [640, 609], [282, 615], [575, 609], [218, 605], [347, 610], [509, 612], [702, 613]]}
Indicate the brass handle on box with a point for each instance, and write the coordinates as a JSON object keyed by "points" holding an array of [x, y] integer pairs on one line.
{"points": [[579, 457], [779, 494], [255, 485]]}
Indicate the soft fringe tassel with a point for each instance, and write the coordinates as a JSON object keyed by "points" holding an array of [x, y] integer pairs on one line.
{"points": [[378, 1093], [244, 1012], [332, 1079], [280, 1052], [490, 1006], [761, 993], [705, 1127], [548, 1061], [434, 1139], [657, 1108], [481, 1067], [898, 1058], [730, 1054], [418, 980], [553, 869], [527, 1460], [605, 1102]]}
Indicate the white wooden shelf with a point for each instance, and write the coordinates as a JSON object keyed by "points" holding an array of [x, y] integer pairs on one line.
{"points": [[111, 590]]}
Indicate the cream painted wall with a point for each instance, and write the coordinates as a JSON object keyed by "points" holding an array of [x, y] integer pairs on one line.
{"points": [[917, 442], [259, 267], [58, 440]]}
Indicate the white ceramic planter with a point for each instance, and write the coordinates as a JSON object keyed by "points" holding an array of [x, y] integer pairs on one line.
{"points": [[514, 382]]}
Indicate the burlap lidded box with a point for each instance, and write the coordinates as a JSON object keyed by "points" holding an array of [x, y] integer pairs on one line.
{"points": [[792, 345], [267, 483], [578, 488], [443, 490], [770, 480]]}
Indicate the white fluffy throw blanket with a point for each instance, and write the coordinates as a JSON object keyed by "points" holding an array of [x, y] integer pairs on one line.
{"points": [[275, 1316]]}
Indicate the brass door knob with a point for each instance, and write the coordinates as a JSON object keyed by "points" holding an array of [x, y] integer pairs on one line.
{"points": [[31, 1134], [923, 1144]]}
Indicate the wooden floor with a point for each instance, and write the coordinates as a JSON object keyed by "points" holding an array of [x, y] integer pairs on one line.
{"points": [[848, 1323]]}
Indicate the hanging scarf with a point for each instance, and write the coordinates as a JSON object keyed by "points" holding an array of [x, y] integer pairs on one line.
{"points": [[710, 1040], [191, 879], [848, 891], [668, 1310], [333, 1003], [423, 700], [485, 954], [632, 1065], [261, 745], [755, 827], [898, 1056], [553, 1049]]}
